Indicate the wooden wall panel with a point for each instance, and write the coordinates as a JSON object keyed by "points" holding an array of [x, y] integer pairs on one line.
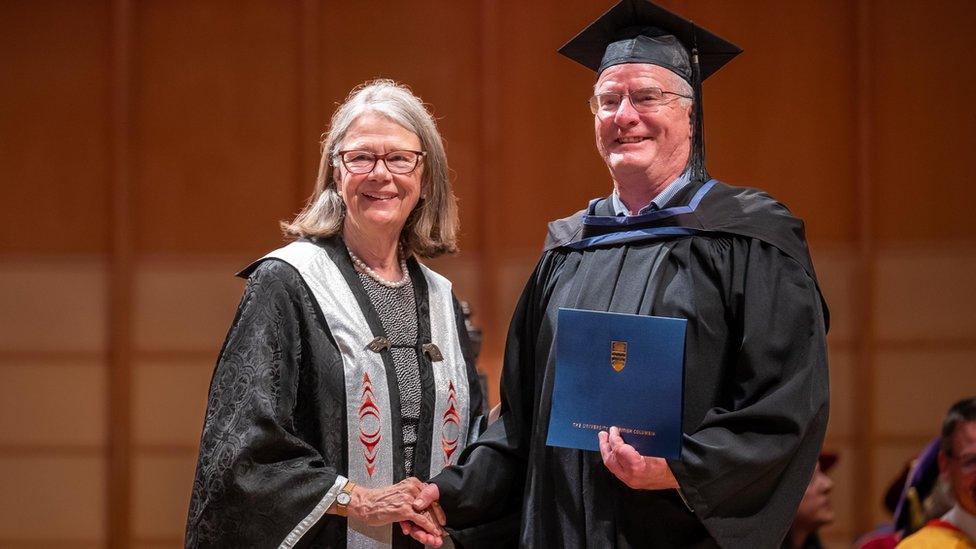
{"points": [[164, 290], [216, 98], [837, 275], [924, 294], [907, 409], [924, 124], [170, 400], [54, 151], [162, 496], [844, 408], [53, 305], [53, 404], [780, 115], [46, 499]]}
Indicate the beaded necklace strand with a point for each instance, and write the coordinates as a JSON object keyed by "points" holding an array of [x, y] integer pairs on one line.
{"points": [[362, 266]]}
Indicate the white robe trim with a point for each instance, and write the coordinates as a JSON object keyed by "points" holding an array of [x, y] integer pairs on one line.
{"points": [[369, 437]]}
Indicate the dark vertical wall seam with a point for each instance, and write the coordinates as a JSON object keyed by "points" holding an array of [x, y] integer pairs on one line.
{"points": [[120, 280], [309, 116], [865, 428], [489, 210]]}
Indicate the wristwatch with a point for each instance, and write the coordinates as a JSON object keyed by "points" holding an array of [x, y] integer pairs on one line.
{"points": [[344, 497]]}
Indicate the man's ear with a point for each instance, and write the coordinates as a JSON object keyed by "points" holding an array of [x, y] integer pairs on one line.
{"points": [[943, 462]]}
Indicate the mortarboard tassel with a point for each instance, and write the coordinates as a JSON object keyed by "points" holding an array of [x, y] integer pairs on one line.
{"points": [[698, 171]]}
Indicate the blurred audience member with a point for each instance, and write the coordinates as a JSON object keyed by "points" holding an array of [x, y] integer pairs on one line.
{"points": [[816, 509], [957, 465], [914, 497]]}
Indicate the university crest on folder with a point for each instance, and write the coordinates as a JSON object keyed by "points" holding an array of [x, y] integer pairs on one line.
{"points": [[641, 393], [618, 355]]}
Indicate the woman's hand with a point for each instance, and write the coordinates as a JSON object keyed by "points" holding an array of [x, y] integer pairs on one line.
{"points": [[380, 506]]}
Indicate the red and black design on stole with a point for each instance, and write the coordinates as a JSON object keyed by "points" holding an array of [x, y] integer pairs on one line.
{"points": [[452, 426], [370, 425]]}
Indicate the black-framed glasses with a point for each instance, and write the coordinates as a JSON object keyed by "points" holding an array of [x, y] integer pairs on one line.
{"points": [[643, 100], [398, 162]]}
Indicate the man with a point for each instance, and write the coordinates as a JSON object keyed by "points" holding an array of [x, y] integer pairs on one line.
{"points": [[670, 242], [957, 464], [816, 509]]}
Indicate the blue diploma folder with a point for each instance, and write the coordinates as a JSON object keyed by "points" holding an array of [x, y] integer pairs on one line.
{"points": [[615, 369]]}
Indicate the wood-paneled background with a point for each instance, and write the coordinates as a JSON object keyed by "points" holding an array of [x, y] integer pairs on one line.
{"points": [[148, 150]]}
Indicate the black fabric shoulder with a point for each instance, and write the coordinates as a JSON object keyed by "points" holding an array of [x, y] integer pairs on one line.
{"points": [[565, 230], [269, 264], [266, 425], [269, 268], [754, 213], [721, 209]]}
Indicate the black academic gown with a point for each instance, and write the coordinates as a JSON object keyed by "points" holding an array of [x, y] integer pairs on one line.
{"points": [[274, 436], [734, 263]]}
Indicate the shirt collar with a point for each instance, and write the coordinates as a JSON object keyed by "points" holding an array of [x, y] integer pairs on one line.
{"points": [[658, 201], [962, 520]]}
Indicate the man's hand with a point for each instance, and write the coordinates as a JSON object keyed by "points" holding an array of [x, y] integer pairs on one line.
{"points": [[379, 506], [634, 470], [426, 502]]}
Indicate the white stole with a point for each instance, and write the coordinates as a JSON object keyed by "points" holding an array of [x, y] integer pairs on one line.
{"points": [[369, 437]]}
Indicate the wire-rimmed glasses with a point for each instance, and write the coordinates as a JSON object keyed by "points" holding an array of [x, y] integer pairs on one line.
{"points": [[643, 100]]}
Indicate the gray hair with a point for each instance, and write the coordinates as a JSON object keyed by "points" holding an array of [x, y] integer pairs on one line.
{"points": [[682, 86], [431, 228]]}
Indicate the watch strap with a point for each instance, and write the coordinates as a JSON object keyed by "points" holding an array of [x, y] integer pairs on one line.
{"points": [[342, 509]]}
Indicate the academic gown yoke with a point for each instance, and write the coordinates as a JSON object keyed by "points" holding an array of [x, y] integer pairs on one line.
{"points": [[755, 402]]}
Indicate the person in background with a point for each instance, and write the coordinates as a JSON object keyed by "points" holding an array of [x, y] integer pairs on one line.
{"points": [[816, 508], [915, 496], [957, 465]]}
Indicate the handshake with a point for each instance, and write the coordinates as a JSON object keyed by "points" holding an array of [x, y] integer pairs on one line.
{"points": [[410, 502]]}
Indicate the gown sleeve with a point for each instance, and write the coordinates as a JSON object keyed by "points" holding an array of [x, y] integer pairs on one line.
{"points": [[255, 479], [482, 496], [745, 466]]}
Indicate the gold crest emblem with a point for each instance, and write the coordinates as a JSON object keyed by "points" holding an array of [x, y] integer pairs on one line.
{"points": [[618, 355]]}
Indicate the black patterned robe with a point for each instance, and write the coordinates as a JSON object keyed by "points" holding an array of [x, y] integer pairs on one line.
{"points": [[274, 436]]}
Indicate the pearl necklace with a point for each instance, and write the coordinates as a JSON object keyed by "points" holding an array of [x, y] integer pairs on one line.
{"points": [[362, 266]]}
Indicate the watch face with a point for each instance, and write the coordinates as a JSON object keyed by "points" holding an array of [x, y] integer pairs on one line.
{"points": [[343, 498]]}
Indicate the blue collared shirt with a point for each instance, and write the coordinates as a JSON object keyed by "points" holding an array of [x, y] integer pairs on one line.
{"points": [[658, 201]]}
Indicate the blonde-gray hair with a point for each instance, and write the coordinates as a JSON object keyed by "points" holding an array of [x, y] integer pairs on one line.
{"points": [[431, 228]]}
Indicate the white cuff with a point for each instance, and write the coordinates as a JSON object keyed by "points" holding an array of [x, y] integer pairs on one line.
{"points": [[296, 534]]}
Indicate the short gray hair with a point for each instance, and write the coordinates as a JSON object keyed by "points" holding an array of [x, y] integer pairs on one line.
{"points": [[680, 85], [432, 227]]}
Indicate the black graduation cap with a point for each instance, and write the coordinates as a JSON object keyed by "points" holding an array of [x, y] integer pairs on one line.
{"points": [[638, 31]]}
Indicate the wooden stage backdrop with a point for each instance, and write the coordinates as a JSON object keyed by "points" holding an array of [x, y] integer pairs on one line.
{"points": [[149, 149]]}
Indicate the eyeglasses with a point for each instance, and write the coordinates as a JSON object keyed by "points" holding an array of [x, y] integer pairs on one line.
{"points": [[398, 162], [644, 100]]}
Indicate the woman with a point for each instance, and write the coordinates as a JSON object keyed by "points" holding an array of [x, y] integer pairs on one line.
{"points": [[346, 369]]}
